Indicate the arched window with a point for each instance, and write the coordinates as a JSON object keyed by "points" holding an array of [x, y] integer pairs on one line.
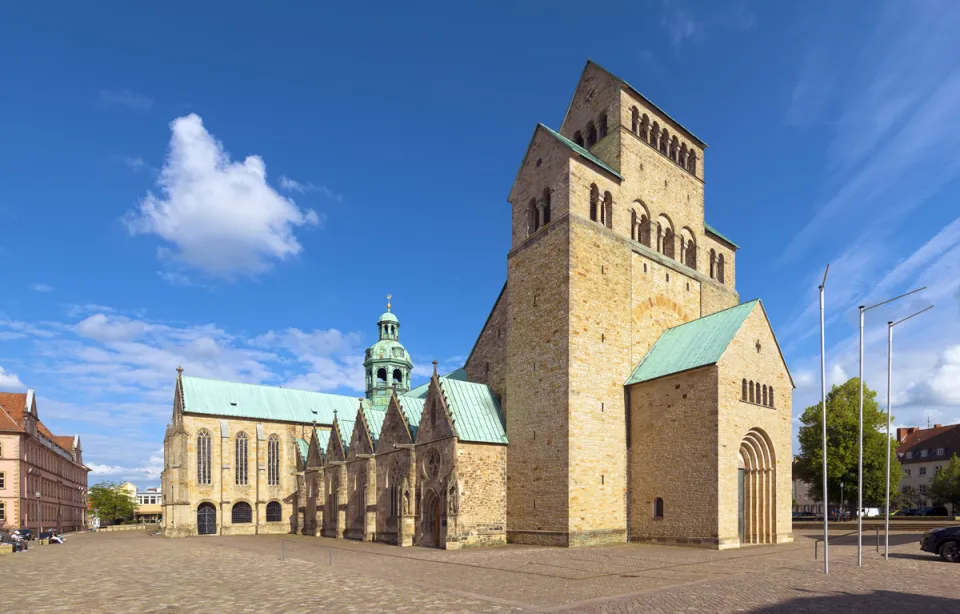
{"points": [[743, 390], [660, 236], [398, 376], [241, 459], [658, 508], [273, 460], [674, 148], [396, 480], [751, 392], [594, 202], [645, 127], [720, 269], [578, 138], [241, 513], [688, 248], [274, 511], [634, 234], [546, 206], [533, 219], [758, 392], [692, 161], [606, 217], [603, 125], [713, 264], [635, 120], [591, 135], [644, 231], [655, 135], [764, 396], [664, 141], [381, 376], [203, 457], [668, 243], [682, 160], [770, 392]]}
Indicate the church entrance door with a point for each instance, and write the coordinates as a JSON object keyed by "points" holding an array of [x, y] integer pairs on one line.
{"points": [[206, 519], [431, 520]]}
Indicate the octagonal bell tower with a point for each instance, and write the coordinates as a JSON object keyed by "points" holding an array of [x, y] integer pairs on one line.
{"points": [[387, 363]]}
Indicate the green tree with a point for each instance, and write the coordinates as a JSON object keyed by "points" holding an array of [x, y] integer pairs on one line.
{"points": [[842, 410], [945, 485], [111, 502]]}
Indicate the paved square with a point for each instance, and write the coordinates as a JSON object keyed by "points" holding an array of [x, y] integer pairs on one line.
{"points": [[125, 572]]}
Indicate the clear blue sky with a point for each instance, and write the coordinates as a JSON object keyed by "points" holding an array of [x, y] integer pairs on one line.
{"points": [[367, 149]]}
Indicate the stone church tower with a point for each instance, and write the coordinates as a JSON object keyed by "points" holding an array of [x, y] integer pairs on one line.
{"points": [[609, 250]]}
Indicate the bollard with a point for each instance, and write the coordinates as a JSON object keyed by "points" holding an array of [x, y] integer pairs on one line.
{"points": [[331, 557], [283, 551], [816, 548], [878, 539]]}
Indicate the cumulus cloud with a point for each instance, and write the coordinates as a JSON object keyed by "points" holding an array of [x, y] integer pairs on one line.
{"points": [[941, 386], [292, 185], [102, 327], [215, 214], [9, 382]]}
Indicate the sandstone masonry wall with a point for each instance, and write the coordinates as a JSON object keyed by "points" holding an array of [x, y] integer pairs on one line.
{"points": [[482, 483]]}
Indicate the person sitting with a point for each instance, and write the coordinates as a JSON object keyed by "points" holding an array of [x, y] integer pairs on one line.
{"points": [[56, 539]]}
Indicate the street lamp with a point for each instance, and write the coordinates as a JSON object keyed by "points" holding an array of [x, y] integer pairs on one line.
{"points": [[823, 416], [863, 310], [841, 502], [890, 325]]}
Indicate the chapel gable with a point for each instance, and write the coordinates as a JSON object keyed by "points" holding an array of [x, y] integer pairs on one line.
{"points": [[435, 420], [339, 446], [593, 117], [395, 428]]}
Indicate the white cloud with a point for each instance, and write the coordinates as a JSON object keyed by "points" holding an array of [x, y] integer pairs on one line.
{"points": [[941, 386], [102, 327], [292, 185], [124, 98], [216, 215], [9, 382], [175, 278], [149, 472], [135, 163], [41, 288]]}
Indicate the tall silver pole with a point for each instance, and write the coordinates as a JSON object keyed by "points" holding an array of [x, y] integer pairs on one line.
{"points": [[860, 454], [886, 530], [823, 411]]}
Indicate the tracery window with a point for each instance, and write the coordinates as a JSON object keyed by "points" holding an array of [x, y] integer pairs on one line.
{"points": [[240, 472], [273, 460], [203, 457]]}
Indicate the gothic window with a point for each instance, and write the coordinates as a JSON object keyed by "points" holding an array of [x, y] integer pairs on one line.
{"points": [[381, 376], [674, 145], [635, 120], [770, 392], [720, 269], [655, 135], [241, 513], [594, 202], [533, 220], [273, 460], [578, 138], [606, 216], [591, 135], [603, 125], [396, 480], [432, 464], [664, 141], [241, 459], [658, 508], [546, 206], [398, 376], [274, 511], [645, 127], [203, 457], [751, 391], [743, 390], [764, 389], [713, 264], [692, 161]]}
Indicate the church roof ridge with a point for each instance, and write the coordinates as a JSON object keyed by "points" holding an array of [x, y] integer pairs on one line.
{"points": [[580, 150], [693, 344], [716, 232]]}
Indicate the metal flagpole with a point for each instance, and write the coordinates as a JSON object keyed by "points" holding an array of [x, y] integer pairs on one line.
{"points": [[823, 411], [863, 310], [890, 325]]}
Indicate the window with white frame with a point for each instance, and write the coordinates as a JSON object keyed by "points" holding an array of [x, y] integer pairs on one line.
{"points": [[909, 454], [923, 453], [939, 451]]}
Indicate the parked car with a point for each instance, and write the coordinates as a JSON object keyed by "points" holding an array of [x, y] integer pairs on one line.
{"points": [[936, 511], [26, 533], [944, 541], [868, 512]]}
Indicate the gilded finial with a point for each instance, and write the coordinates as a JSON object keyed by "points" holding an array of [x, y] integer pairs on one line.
{"points": [[389, 296]]}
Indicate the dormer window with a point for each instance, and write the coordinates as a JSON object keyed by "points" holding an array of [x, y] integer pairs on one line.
{"points": [[923, 453], [940, 451], [909, 454]]}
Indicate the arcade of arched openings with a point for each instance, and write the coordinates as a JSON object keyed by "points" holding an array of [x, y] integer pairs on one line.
{"points": [[755, 392], [601, 210], [594, 134], [662, 141], [538, 212]]}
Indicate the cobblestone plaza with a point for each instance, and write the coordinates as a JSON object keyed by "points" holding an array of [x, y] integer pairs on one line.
{"points": [[126, 572]]}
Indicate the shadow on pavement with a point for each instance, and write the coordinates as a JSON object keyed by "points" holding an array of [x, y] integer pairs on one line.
{"points": [[876, 602]]}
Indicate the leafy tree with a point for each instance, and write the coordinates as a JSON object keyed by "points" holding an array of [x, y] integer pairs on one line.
{"points": [[842, 410], [111, 502], [910, 497], [945, 486]]}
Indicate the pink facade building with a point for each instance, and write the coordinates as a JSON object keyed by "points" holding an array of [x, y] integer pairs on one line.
{"points": [[33, 460]]}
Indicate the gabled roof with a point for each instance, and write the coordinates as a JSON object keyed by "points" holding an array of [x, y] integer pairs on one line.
{"points": [[716, 232], [346, 431], [323, 440], [304, 448], [476, 412], [581, 151], [373, 417], [412, 408], [238, 400], [930, 439], [420, 392], [694, 344], [11, 410]]}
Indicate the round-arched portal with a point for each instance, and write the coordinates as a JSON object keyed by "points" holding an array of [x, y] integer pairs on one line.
{"points": [[757, 489]]}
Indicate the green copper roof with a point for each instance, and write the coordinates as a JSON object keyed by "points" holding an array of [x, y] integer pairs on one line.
{"points": [[691, 345], [583, 152], [713, 230], [374, 419], [233, 399], [388, 317], [323, 440], [304, 447], [420, 391], [346, 432], [476, 412], [412, 407]]}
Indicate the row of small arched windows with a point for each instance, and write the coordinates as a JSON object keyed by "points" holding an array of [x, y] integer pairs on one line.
{"points": [[601, 211], [754, 392], [661, 140], [538, 212], [242, 513], [593, 133]]}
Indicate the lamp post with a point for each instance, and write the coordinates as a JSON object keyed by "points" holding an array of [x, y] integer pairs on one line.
{"points": [[890, 325], [39, 525], [823, 415], [841, 502], [864, 310]]}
